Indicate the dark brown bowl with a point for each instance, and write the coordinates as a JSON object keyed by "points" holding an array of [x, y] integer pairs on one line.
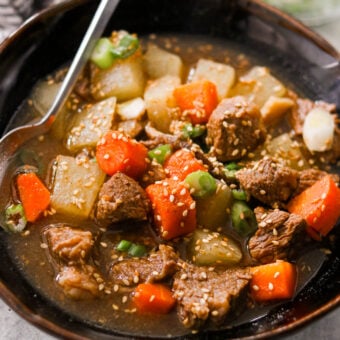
{"points": [[296, 54]]}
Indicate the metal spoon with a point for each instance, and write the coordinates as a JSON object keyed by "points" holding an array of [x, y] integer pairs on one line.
{"points": [[15, 138]]}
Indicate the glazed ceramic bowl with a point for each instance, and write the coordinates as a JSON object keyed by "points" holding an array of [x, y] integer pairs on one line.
{"points": [[50, 39]]}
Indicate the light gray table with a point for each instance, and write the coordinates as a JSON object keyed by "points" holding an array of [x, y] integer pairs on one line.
{"points": [[12, 327]]}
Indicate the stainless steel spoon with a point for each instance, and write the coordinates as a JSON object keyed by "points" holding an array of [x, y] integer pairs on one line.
{"points": [[15, 138]]}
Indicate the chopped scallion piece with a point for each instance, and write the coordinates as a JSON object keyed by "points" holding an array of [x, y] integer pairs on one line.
{"points": [[230, 170], [127, 46], [201, 183], [124, 245], [137, 250], [190, 131], [15, 218], [243, 219], [160, 153], [102, 54], [240, 195]]}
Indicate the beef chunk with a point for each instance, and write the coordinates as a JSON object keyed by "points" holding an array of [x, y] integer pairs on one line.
{"points": [[155, 172], [121, 198], [208, 295], [300, 110], [234, 128], [308, 177], [268, 181], [277, 236], [79, 283], [156, 267], [68, 244]]}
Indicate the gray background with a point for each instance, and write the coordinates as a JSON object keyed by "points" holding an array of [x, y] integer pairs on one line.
{"points": [[326, 328]]}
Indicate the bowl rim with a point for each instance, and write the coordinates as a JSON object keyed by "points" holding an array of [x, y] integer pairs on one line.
{"points": [[257, 8]]}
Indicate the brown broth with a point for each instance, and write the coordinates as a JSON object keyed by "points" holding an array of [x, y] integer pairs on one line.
{"points": [[30, 257]]}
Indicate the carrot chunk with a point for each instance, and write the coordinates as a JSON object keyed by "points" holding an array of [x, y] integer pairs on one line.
{"points": [[153, 298], [34, 196], [182, 163], [173, 208], [273, 281], [197, 100], [119, 153], [319, 205]]}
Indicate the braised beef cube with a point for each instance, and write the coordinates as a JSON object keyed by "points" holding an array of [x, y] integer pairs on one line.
{"points": [[268, 181], [121, 198], [278, 236], [156, 267], [69, 244], [155, 172], [204, 295], [308, 177], [79, 283], [234, 128]]}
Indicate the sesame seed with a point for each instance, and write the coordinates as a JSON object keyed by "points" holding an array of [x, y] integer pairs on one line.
{"points": [[152, 297], [276, 243], [214, 313], [115, 307], [183, 192], [185, 213], [270, 286], [256, 287], [124, 299], [106, 156], [262, 192], [43, 246], [276, 275]]}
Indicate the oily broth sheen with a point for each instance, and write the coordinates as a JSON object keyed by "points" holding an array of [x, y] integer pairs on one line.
{"points": [[30, 257]]}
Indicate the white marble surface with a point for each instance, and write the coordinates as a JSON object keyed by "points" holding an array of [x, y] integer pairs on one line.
{"points": [[12, 327]]}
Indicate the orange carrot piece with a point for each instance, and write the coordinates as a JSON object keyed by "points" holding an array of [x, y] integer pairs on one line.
{"points": [[33, 194], [319, 205], [173, 208], [153, 298], [182, 163], [197, 100], [119, 153], [273, 281]]}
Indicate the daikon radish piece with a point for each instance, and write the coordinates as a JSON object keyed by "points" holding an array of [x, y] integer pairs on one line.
{"points": [[318, 130]]}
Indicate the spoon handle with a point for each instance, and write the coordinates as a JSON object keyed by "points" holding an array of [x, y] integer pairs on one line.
{"points": [[93, 33]]}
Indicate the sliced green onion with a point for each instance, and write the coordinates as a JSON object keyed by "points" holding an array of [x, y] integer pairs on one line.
{"points": [[201, 184], [190, 131], [124, 245], [127, 46], [137, 250], [160, 153], [239, 194], [243, 219], [102, 53], [15, 218], [231, 169], [232, 166]]}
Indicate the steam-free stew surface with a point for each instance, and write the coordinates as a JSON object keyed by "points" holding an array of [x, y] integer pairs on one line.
{"points": [[114, 308]]}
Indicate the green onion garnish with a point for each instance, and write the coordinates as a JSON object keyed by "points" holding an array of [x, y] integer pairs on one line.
{"points": [[190, 131], [160, 153], [201, 184], [243, 218], [124, 245], [137, 250], [240, 195], [15, 218], [102, 55]]}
